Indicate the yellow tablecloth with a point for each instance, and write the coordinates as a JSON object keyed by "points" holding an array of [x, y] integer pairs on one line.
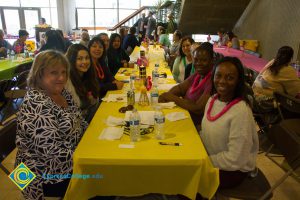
{"points": [[147, 168]]}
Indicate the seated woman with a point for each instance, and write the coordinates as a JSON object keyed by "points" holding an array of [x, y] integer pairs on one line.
{"points": [[164, 38], [83, 83], [235, 44], [279, 76], [53, 41], [193, 93], [116, 55], [228, 128], [104, 76], [49, 126], [183, 59]]}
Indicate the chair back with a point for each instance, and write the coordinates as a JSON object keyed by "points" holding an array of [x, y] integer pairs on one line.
{"points": [[288, 106], [7, 139], [23, 67]]}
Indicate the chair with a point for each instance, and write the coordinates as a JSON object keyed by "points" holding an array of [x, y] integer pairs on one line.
{"points": [[23, 67], [288, 106], [251, 188], [286, 137], [7, 141]]}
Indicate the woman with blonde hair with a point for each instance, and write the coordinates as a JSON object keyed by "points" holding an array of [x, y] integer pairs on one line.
{"points": [[49, 126]]}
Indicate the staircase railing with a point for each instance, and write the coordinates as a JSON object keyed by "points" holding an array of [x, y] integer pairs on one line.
{"points": [[135, 13]]}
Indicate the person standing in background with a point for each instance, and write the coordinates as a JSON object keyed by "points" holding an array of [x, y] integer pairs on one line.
{"points": [[4, 45], [171, 26], [141, 25], [151, 25]]}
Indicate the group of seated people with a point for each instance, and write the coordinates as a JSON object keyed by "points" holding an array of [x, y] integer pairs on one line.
{"points": [[64, 92]]}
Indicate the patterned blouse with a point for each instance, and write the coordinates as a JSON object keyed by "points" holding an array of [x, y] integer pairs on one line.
{"points": [[47, 136]]}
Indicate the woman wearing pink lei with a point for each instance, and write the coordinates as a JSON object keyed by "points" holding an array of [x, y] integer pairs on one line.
{"points": [[228, 128], [193, 93]]}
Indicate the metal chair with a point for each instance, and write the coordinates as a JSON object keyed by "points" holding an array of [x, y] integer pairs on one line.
{"points": [[7, 141], [251, 188]]}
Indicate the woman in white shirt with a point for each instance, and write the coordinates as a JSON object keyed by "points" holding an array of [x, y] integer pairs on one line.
{"points": [[184, 58], [228, 128]]}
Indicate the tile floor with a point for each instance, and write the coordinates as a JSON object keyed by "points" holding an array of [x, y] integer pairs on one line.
{"points": [[288, 190]]}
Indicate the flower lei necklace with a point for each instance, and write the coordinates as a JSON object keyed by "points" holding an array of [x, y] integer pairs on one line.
{"points": [[196, 85], [225, 109]]}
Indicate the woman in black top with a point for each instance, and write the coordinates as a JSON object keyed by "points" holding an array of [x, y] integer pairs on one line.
{"points": [[115, 54]]}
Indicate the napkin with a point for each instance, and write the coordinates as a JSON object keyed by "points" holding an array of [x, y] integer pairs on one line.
{"points": [[115, 98], [111, 133], [168, 105], [114, 121], [165, 86], [175, 116], [147, 117]]}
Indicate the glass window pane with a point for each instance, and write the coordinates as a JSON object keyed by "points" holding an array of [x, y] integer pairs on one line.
{"points": [[53, 3], [129, 4], [148, 2], [85, 17], [54, 22], [124, 13], [85, 3], [31, 19], [45, 13], [1, 23], [107, 4], [14, 3], [12, 21], [102, 18], [34, 3]]}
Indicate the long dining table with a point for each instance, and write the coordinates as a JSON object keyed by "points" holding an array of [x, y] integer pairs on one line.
{"points": [[124, 168]]}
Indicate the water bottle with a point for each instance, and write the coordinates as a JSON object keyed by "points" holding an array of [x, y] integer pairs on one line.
{"points": [[130, 97], [155, 75], [154, 96], [297, 66], [8, 53], [12, 55], [159, 123], [131, 81], [26, 53], [135, 119]]}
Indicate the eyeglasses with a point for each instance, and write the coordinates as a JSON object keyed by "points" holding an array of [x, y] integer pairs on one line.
{"points": [[126, 108]]}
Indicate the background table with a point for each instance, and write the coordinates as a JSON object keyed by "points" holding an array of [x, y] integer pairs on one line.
{"points": [[147, 168], [7, 67]]}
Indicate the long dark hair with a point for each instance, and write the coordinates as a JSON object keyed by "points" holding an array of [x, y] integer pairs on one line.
{"points": [[186, 38], [112, 39], [241, 88], [283, 57], [103, 57], [88, 81], [54, 41]]}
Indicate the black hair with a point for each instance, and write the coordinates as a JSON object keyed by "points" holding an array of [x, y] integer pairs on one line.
{"points": [[112, 39], [98, 40], [43, 20], [132, 30], [230, 35], [241, 88], [178, 33], [283, 57], [88, 81], [54, 41], [207, 47], [23, 32]]}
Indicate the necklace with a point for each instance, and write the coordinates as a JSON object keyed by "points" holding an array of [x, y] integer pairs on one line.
{"points": [[224, 110], [100, 72], [196, 84]]}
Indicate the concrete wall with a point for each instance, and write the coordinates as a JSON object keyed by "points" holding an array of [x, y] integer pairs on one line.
{"points": [[274, 23]]}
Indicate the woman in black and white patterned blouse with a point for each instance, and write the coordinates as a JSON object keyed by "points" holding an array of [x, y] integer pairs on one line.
{"points": [[49, 126]]}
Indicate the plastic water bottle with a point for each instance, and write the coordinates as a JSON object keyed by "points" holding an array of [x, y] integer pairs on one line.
{"points": [[8, 53], [12, 55], [131, 81], [26, 53], [155, 75], [154, 96], [135, 119], [159, 123], [297, 66]]}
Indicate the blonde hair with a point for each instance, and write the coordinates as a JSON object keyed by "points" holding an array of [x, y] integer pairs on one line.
{"points": [[42, 61]]}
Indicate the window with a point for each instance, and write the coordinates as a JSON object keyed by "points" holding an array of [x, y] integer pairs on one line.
{"points": [[85, 3], [107, 4], [129, 4], [34, 3], [11, 17], [102, 18], [10, 3], [85, 17]]}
